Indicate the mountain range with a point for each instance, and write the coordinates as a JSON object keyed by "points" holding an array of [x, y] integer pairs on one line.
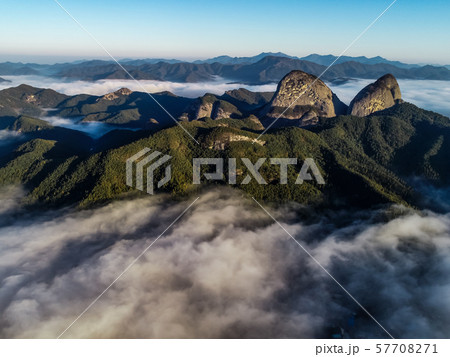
{"points": [[367, 152], [325, 60], [261, 69]]}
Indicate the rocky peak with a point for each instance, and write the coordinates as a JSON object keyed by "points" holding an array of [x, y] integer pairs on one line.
{"points": [[210, 106], [118, 93], [308, 97], [380, 95]]}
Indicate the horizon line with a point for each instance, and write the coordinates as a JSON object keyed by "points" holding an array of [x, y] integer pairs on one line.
{"points": [[61, 59]]}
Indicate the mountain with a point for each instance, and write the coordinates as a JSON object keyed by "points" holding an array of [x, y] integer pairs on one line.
{"points": [[243, 60], [125, 108], [175, 72], [26, 100], [324, 60], [365, 160], [121, 108], [247, 101], [327, 60], [19, 69], [210, 106], [303, 98], [261, 69], [73, 140], [269, 69], [382, 94], [2, 80], [138, 62]]}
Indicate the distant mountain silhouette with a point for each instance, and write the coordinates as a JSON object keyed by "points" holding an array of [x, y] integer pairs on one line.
{"points": [[260, 69], [327, 60], [269, 69], [243, 60]]}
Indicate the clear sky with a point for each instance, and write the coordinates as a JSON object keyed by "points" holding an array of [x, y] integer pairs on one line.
{"points": [[415, 31]]}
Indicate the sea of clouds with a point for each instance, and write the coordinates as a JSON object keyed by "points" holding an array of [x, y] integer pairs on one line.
{"points": [[225, 270], [431, 95], [101, 87], [428, 94]]}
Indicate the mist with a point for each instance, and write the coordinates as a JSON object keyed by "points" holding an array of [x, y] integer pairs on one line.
{"points": [[101, 87], [225, 270], [9, 136], [94, 129], [427, 94]]}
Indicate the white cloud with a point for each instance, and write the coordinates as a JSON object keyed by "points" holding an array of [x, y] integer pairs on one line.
{"points": [[100, 87], [94, 129], [8, 136], [427, 94], [225, 270]]}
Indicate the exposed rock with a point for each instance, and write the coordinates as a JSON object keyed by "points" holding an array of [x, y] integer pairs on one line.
{"points": [[117, 94], [30, 98], [220, 111], [382, 94], [209, 106], [151, 124], [226, 138], [201, 108], [303, 97]]}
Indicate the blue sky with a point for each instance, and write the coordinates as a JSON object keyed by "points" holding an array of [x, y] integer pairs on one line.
{"points": [[415, 31]]}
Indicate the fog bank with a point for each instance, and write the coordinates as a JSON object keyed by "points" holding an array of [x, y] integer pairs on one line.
{"points": [[224, 270]]}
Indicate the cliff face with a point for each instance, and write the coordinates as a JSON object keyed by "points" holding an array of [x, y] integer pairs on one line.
{"points": [[117, 94], [380, 95], [212, 107], [222, 142], [303, 97]]}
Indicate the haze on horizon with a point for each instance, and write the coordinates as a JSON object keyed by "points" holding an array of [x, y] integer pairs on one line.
{"points": [[412, 31]]}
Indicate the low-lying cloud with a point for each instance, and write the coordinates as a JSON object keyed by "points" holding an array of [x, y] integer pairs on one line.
{"points": [[224, 270], [100, 87], [428, 94], [9, 136], [94, 129]]}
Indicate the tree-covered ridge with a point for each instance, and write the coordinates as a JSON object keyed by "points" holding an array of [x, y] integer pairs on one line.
{"points": [[364, 160]]}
